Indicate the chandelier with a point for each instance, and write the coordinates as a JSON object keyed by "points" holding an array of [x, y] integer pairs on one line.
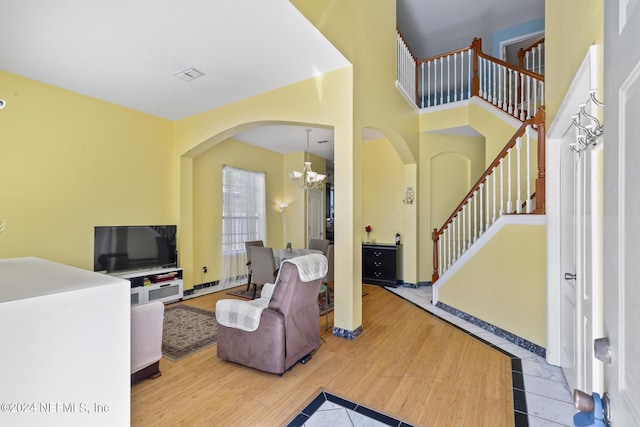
{"points": [[307, 178]]}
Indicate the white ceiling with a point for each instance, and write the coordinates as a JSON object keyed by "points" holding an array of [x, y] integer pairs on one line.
{"points": [[127, 52]]}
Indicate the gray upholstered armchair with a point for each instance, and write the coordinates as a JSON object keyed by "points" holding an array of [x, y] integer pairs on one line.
{"points": [[275, 331]]}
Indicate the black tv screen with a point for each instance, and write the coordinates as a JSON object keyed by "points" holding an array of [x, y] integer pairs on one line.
{"points": [[121, 248]]}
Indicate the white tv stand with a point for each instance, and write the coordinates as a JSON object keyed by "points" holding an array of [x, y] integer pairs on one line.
{"points": [[143, 291]]}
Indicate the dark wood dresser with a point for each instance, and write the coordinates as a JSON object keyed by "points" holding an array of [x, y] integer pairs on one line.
{"points": [[382, 264]]}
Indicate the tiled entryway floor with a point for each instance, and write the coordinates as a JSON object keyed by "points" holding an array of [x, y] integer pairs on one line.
{"points": [[330, 410]]}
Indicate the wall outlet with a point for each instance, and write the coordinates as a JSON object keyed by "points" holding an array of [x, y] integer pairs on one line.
{"points": [[204, 268]]}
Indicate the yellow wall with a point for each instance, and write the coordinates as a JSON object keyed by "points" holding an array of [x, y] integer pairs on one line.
{"points": [[69, 162], [448, 155], [436, 152], [571, 27], [450, 175], [364, 31], [382, 176], [323, 100], [207, 188], [504, 284]]}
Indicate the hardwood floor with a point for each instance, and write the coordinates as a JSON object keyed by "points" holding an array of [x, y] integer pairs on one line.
{"points": [[407, 363]]}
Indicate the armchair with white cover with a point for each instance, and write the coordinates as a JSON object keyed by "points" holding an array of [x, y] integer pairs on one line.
{"points": [[275, 331]]}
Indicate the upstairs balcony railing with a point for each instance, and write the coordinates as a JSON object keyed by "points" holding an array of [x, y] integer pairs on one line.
{"points": [[467, 72], [510, 185], [532, 57]]}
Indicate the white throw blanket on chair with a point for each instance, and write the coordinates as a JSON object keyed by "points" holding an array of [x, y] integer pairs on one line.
{"points": [[245, 315], [310, 267]]}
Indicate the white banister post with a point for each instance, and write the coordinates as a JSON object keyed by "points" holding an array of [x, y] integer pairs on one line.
{"points": [[510, 109], [518, 176], [495, 175], [450, 243], [468, 222], [454, 243], [448, 78], [429, 84], [505, 88], [475, 215], [455, 76], [463, 217], [469, 63], [499, 87], [534, 84], [509, 183], [483, 78], [487, 203], [441, 253], [458, 227], [441, 80], [501, 187], [445, 252], [481, 209], [422, 90], [494, 99], [529, 112], [522, 106]]}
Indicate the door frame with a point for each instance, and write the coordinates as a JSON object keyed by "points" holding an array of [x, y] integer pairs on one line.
{"points": [[585, 79], [317, 216]]}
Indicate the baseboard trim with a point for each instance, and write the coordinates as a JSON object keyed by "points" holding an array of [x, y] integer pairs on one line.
{"points": [[345, 333], [512, 338]]}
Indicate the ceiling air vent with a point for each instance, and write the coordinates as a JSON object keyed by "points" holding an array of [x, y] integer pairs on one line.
{"points": [[189, 74]]}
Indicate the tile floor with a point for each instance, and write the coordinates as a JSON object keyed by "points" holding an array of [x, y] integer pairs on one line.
{"points": [[541, 395]]}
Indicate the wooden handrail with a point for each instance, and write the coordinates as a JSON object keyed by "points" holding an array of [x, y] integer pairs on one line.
{"points": [[542, 170], [538, 121], [523, 51], [444, 55], [513, 67]]}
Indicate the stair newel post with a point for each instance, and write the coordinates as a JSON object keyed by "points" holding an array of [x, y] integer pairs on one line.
{"points": [[476, 45], [434, 237], [541, 180]]}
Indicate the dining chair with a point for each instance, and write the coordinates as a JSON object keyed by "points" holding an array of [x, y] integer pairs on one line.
{"points": [[247, 245], [325, 287], [263, 267], [319, 244]]}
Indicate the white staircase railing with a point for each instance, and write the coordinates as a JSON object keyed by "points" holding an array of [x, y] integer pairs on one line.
{"points": [[467, 72], [506, 187], [532, 58], [516, 91], [406, 67]]}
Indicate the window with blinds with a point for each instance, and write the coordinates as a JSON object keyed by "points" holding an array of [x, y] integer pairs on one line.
{"points": [[243, 208]]}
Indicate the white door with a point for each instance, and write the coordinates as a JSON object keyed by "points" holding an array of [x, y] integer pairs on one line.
{"points": [[580, 260], [315, 214], [622, 209], [569, 312], [588, 262]]}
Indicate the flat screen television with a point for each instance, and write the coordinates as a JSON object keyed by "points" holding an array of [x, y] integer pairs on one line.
{"points": [[132, 247]]}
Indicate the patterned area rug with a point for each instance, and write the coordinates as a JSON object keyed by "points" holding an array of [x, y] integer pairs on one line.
{"points": [[187, 330]]}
